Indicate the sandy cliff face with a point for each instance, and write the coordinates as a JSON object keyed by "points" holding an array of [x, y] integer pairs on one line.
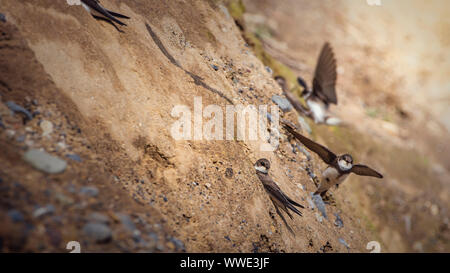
{"points": [[128, 184]]}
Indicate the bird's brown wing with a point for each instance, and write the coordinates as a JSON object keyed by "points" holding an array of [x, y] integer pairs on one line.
{"points": [[293, 202], [95, 4], [284, 220], [326, 155], [115, 14], [365, 171], [325, 75]]}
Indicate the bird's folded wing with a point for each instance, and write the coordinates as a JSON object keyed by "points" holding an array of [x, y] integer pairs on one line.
{"points": [[293, 202], [115, 14], [294, 209], [276, 192]]}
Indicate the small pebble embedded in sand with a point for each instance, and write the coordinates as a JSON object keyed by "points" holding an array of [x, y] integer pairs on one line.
{"points": [[45, 162], [47, 128]]}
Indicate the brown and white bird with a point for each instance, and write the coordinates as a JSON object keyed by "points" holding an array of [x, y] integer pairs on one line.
{"points": [[279, 199], [101, 13], [323, 91], [339, 167]]}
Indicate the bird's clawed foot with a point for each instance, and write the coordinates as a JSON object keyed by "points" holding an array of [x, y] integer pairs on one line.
{"points": [[328, 199]]}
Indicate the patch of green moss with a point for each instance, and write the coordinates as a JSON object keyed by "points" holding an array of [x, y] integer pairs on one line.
{"points": [[379, 113], [211, 38], [368, 224], [263, 31], [387, 117], [236, 9], [372, 112]]}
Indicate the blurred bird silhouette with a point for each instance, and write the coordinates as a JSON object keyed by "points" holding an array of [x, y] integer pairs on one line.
{"points": [[323, 91]]}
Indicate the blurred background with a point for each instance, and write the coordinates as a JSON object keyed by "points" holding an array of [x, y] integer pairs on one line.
{"points": [[393, 88], [401, 45]]}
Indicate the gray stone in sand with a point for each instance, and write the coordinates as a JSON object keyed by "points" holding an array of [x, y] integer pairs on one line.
{"points": [[317, 199], [98, 232], [45, 162], [282, 102]]}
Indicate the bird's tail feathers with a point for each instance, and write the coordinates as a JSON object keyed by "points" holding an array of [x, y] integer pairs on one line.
{"points": [[294, 203], [115, 14], [294, 209]]}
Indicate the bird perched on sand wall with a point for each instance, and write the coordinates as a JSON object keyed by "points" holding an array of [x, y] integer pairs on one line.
{"points": [[278, 197]]}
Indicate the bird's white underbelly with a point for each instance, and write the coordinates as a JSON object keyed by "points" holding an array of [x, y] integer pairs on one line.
{"points": [[318, 110], [331, 177]]}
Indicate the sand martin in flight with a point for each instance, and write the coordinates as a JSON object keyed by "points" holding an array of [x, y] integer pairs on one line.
{"points": [[323, 91], [279, 199], [100, 13], [339, 167]]}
